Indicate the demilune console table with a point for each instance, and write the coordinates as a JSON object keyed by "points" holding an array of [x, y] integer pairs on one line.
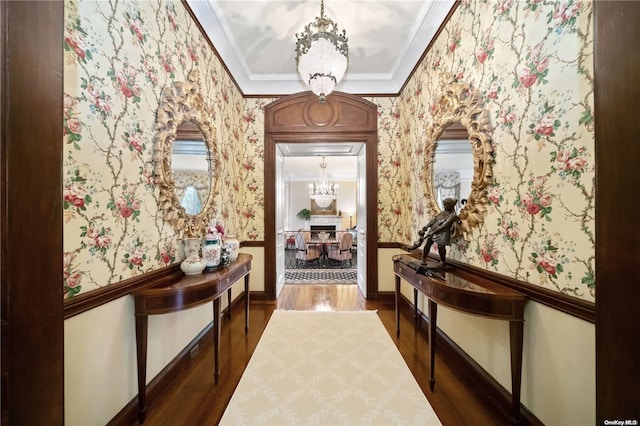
{"points": [[187, 292], [469, 293]]}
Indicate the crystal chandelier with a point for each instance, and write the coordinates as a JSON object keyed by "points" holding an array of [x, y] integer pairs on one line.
{"points": [[323, 192], [322, 55]]}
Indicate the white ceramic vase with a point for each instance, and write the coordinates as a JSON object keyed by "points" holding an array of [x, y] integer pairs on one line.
{"points": [[193, 264], [233, 243]]}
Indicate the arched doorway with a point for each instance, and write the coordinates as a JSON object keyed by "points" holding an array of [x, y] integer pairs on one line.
{"points": [[300, 118]]}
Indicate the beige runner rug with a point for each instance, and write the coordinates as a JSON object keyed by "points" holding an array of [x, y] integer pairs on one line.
{"points": [[327, 368]]}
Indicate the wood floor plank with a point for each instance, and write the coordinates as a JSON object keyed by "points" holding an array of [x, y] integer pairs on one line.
{"points": [[194, 399]]}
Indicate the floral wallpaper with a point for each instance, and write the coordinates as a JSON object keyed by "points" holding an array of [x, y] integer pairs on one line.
{"points": [[532, 62], [252, 181], [393, 172], [118, 58]]}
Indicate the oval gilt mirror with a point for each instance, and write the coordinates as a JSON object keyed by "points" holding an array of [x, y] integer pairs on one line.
{"points": [[185, 158], [191, 168], [452, 166], [459, 154]]}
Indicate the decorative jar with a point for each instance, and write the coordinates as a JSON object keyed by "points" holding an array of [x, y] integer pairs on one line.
{"points": [[211, 250], [234, 245], [224, 256], [192, 263]]}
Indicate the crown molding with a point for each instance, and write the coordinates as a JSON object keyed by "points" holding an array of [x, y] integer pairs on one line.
{"points": [[431, 17]]}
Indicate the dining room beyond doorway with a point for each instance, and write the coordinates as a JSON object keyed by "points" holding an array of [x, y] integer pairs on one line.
{"points": [[298, 121], [321, 257]]}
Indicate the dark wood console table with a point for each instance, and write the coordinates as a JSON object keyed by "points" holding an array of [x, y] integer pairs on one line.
{"points": [[188, 292], [467, 293]]}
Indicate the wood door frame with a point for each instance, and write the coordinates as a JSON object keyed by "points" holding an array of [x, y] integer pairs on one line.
{"points": [[31, 223], [299, 118], [616, 98]]}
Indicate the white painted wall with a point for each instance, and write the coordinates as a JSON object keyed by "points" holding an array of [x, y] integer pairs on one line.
{"points": [[558, 378], [558, 382], [100, 350], [298, 198], [100, 356]]}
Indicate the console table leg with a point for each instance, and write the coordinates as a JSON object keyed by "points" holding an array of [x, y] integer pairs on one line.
{"points": [[216, 339], [516, 332], [415, 305], [246, 304], [141, 352], [229, 303], [397, 306], [433, 317]]}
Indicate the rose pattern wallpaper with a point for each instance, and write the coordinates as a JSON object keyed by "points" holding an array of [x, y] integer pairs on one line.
{"points": [[118, 58], [531, 61], [394, 218], [251, 183], [533, 64]]}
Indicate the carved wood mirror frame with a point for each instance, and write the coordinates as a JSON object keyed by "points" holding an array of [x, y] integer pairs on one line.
{"points": [[459, 102], [182, 103]]}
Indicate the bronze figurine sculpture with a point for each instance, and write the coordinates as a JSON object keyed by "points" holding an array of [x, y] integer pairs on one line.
{"points": [[439, 230]]}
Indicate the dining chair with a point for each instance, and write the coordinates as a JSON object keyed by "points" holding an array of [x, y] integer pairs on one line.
{"points": [[305, 251], [290, 241], [342, 251]]}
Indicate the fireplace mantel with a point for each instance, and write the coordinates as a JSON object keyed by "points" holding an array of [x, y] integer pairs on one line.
{"points": [[326, 220]]}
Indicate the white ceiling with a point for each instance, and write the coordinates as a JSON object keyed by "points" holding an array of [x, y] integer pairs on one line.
{"points": [[302, 161], [256, 41]]}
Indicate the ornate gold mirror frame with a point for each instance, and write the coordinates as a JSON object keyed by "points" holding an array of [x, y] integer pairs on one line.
{"points": [[459, 102], [180, 104]]}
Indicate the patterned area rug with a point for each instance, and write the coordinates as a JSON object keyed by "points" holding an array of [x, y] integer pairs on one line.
{"points": [[327, 368], [320, 276]]}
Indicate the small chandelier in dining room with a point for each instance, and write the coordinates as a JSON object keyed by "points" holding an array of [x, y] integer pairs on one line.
{"points": [[322, 55], [323, 192]]}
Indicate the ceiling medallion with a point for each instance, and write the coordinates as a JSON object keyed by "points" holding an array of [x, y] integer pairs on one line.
{"points": [[322, 55]]}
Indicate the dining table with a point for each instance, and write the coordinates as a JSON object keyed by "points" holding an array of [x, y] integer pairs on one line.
{"points": [[324, 244]]}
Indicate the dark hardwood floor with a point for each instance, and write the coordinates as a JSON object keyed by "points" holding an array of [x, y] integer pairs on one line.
{"points": [[194, 399]]}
